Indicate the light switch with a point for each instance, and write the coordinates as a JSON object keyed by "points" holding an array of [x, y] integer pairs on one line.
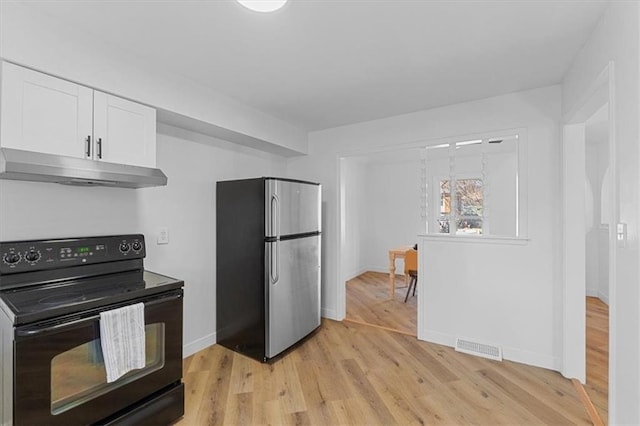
{"points": [[621, 234]]}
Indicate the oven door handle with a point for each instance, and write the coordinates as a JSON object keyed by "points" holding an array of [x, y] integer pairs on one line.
{"points": [[43, 329]]}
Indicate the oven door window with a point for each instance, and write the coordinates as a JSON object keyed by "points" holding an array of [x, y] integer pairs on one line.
{"points": [[78, 375], [59, 376]]}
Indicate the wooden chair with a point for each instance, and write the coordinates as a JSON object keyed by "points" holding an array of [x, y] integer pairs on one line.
{"points": [[411, 269]]}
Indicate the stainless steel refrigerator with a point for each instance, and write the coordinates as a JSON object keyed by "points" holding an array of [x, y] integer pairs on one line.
{"points": [[268, 234]]}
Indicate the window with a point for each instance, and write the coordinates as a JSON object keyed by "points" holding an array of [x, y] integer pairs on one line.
{"points": [[78, 374], [472, 187], [468, 206]]}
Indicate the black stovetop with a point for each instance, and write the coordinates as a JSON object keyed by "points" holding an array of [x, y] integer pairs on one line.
{"points": [[45, 279], [40, 302]]}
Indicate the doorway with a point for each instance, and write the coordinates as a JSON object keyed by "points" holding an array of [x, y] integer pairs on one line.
{"points": [[589, 243], [597, 230], [380, 209]]}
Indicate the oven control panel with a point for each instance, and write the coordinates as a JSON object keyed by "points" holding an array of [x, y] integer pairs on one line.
{"points": [[34, 255]]}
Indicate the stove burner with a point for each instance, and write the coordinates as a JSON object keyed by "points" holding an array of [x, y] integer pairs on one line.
{"points": [[62, 298]]}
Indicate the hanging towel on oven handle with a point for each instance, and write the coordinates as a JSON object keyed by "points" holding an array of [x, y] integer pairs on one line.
{"points": [[122, 337]]}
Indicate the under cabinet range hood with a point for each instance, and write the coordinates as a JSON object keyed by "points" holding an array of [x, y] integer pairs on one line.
{"points": [[16, 164]]}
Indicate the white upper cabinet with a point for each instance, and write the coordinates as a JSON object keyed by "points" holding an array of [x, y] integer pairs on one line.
{"points": [[46, 114], [43, 113], [124, 131]]}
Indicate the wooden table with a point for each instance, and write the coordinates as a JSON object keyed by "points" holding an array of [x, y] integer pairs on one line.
{"points": [[395, 253]]}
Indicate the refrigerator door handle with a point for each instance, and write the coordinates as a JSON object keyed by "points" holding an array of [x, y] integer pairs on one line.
{"points": [[274, 260], [274, 252], [277, 262], [275, 220]]}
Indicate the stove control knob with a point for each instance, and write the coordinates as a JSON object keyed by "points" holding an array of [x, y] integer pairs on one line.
{"points": [[125, 247], [137, 246], [11, 258], [32, 256]]}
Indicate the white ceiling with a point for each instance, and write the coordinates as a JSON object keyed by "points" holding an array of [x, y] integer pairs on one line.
{"points": [[325, 63]]}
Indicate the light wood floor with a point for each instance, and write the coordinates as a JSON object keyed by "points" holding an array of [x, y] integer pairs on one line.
{"points": [[368, 302], [597, 386], [351, 374]]}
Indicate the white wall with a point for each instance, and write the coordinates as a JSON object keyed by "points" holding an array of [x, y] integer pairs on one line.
{"points": [[616, 38], [34, 210], [381, 209], [500, 187], [393, 208], [356, 216], [501, 294], [597, 232], [187, 207], [505, 292], [526, 305], [32, 39]]}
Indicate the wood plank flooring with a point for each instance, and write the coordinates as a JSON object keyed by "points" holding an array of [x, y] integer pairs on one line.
{"points": [[368, 302], [597, 385], [353, 374]]}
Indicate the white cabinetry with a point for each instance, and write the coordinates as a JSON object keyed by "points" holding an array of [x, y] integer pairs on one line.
{"points": [[42, 113], [46, 114], [124, 131]]}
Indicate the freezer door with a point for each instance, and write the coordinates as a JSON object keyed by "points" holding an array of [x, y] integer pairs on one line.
{"points": [[293, 291], [291, 208]]}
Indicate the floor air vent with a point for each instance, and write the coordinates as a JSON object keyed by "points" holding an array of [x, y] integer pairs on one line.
{"points": [[479, 349]]}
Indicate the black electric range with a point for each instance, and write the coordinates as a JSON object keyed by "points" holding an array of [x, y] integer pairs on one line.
{"points": [[51, 295], [51, 278], [59, 299]]}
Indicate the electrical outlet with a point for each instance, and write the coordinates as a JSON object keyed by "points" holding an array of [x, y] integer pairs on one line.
{"points": [[163, 236]]}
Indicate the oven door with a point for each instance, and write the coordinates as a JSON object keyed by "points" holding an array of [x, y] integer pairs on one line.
{"points": [[60, 377]]}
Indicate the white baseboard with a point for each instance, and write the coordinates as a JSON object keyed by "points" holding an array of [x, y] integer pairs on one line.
{"points": [[384, 270], [437, 337], [356, 274], [210, 339], [511, 354], [532, 358], [329, 313], [603, 297], [600, 295], [198, 345]]}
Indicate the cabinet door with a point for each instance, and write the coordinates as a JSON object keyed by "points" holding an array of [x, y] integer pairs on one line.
{"points": [[124, 131], [43, 113]]}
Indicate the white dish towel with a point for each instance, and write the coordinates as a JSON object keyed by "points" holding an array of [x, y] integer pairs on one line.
{"points": [[122, 337]]}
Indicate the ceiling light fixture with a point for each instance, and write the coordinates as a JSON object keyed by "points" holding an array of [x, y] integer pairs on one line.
{"points": [[263, 5]]}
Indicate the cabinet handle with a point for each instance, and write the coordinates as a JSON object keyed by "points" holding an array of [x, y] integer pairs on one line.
{"points": [[88, 149], [100, 148]]}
